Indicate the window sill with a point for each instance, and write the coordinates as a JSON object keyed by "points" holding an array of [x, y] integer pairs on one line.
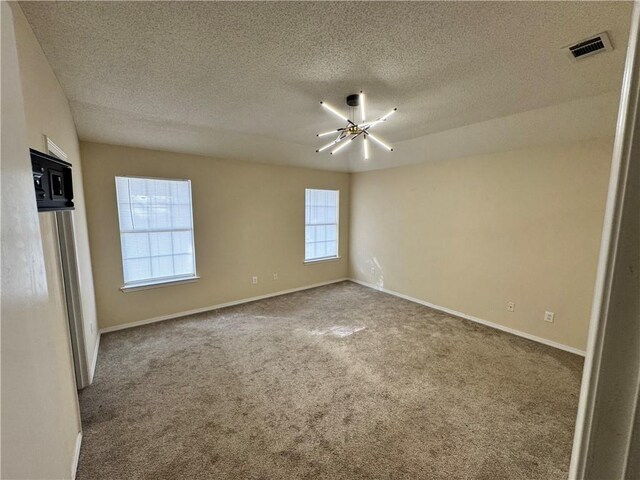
{"points": [[165, 283], [322, 260]]}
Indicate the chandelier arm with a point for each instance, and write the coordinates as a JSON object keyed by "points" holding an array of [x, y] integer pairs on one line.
{"points": [[350, 140], [381, 119], [337, 130], [371, 124], [357, 135], [341, 136], [341, 146], [365, 146], [335, 112], [379, 142], [338, 139]]}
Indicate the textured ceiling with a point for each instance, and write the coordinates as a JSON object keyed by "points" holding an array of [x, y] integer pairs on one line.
{"points": [[243, 79]]}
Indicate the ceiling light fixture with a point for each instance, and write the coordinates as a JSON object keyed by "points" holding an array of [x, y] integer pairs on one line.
{"points": [[352, 130]]}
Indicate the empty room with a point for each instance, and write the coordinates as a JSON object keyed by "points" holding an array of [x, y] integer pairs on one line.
{"points": [[320, 240]]}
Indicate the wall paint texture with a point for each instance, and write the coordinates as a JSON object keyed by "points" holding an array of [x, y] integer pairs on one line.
{"points": [[48, 113], [472, 234], [40, 417], [248, 220]]}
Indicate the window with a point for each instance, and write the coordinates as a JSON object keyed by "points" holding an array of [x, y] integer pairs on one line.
{"points": [[321, 224], [156, 230]]}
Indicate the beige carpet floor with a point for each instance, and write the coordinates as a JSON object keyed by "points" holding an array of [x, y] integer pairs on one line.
{"points": [[338, 382]]}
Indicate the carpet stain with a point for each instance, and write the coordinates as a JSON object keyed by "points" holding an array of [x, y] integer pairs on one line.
{"points": [[337, 382]]}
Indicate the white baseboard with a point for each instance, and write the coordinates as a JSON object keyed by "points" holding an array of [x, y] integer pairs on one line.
{"points": [[474, 319], [76, 456], [94, 361], [369, 285], [216, 307]]}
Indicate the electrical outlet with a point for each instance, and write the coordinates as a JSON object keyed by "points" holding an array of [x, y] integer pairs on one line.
{"points": [[511, 307], [548, 316], [373, 270], [254, 280], [275, 276]]}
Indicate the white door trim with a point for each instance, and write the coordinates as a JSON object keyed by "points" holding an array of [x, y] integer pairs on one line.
{"points": [[66, 240], [71, 282], [586, 445]]}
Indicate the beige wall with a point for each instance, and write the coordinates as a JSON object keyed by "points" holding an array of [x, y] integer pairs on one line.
{"points": [[475, 233], [48, 113], [248, 220], [40, 419]]}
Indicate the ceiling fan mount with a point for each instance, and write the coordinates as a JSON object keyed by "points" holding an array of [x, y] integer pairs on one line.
{"points": [[353, 100]]}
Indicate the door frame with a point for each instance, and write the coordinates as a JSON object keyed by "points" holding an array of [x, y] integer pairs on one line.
{"points": [[608, 406], [65, 231]]}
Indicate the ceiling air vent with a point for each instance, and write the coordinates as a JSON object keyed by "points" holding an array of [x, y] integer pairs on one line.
{"points": [[591, 46]]}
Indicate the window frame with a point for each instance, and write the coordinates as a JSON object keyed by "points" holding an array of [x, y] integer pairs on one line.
{"points": [[158, 281], [332, 258]]}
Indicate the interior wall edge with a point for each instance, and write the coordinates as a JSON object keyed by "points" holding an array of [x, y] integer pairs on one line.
{"points": [[94, 360], [76, 456], [607, 439]]}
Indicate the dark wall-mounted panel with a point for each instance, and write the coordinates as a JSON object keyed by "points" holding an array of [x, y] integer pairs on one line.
{"points": [[52, 181]]}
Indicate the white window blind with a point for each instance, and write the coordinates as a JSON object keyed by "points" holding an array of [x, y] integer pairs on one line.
{"points": [[156, 230], [321, 224]]}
